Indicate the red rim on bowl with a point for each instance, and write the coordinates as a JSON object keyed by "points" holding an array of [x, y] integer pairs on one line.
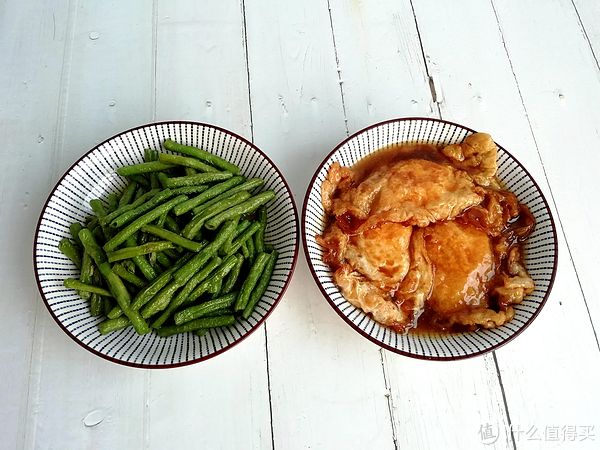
{"points": [[115, 152], [511, 172]]}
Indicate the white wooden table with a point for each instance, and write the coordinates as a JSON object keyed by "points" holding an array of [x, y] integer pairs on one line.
{"points": [[296, 78]]}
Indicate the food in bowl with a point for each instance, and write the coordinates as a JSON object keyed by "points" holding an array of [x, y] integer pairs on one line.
{"points": [[425, 238], [181, 249]]}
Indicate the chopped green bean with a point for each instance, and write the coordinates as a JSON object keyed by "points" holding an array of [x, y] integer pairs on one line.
{"points": [[72, 283], [219, 274], [202, 155], [249, 185], [200, 178], [70, 251], [127, 196], [141, 180], [162, 178], [141, 221], [86, 273], [209, 194], [143, 208], [183, 295], [192, 228], [207, 252], [163, 260], [113, 202], [251, 250], [172, 225], [242, 238], [145, 167], [246, 207], [141, 262], [233, 276], [248, 285], [111, 325], [259, 237], [189, 190], [193, 312], [126, 275], [188, 171], [75, 228], [124, 300], [130, 252], [261, 286], [187, 162], [174, 238]]}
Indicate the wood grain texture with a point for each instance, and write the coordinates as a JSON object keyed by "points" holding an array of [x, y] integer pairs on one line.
{"points": [[297, 78], [32, 43]]}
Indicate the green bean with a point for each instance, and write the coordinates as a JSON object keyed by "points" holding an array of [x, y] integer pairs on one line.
{"points": [[130, 252], [249, 185], [153, 288], [192, 228], [137, 202], [99, 235], [140, 179], [243, 208], [72, 283], [151, 155], [221, 272], [87, 270], [75, 228], [126, 275], [202, 155], [188, 171], [201, 331], [200, 178], [233, 276], [214, 288], [129, 265], [98, 208], [141, 191], [108, 326], [145, 167], [123, 298], [259, 237], [108, 304], [187, 162], [221, 312], [113, 202], [193, 312], [183, 295], [189, 190], [174, 238], [162, 259], [127, 196], [70, 251], [141, 221], [242, 238], [198, 324], [176, 252], [209, 194], [206, 253], [96, 305], [245, 251], [96, 300], [261, 286], [251, 250], [269, 248], [172, 225], [143, 208], [161, 220], [243, 225], [162, 178], [141, 261], [248, 285]]}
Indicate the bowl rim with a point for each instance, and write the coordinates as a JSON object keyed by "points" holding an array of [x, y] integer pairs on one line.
{"points": [[371, 338], [203, 358]]}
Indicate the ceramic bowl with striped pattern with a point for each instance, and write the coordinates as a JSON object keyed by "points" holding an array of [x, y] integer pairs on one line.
{"points": [[540, 249], [94, 176]]}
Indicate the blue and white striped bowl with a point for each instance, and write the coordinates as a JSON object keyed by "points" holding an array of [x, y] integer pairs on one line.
{"points": [[94, 176], [540, 249]]}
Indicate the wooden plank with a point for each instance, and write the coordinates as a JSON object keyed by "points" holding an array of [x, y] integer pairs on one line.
{"points": [[422, 393], [512, 101], [327, 383], [32, 37], [202, 76], [71, 389]]}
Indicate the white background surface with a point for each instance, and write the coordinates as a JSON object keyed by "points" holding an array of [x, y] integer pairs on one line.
{"points": [[296, 77]]}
